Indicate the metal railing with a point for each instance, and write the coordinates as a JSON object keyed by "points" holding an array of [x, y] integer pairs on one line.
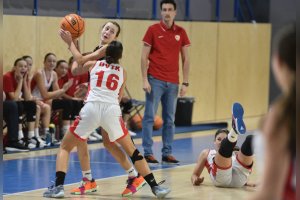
{"points": [[238, 15]]}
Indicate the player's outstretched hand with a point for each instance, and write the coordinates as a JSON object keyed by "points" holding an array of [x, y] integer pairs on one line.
{"points": [[65, 36], [196, 180]]}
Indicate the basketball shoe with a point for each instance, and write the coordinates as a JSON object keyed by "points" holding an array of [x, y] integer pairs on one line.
{"points": [[133, 185], [55, 192], [85, 187], [237, 118], [160, 192]]}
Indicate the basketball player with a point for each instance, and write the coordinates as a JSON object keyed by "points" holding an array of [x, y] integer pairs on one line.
{"points": [[227, 168], [279, 128], [109, 33], [107, 82]]}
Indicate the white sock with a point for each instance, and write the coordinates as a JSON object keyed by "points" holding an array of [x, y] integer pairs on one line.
{"points": [[132, 172], [46, 130], [87, 174], [36, 132], [30, 134], [232, 136], [20, 134]]}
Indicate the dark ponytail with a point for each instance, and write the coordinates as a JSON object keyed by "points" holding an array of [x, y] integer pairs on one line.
{"points": [[114, 52]]}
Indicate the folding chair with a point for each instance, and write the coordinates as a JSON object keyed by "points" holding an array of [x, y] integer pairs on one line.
{"points": [[137, 105]]}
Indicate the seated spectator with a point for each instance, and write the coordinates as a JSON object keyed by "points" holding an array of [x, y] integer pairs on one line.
{"points": [[10, 116], [42, 81], [17, 89], [43, 111]]}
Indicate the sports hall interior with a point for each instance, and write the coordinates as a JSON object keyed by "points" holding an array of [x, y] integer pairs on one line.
{"points": [[229, 62]]}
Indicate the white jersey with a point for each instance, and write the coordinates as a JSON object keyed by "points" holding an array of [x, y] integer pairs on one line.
{"points": [[234, 176], [105, 82], [36, 92]]}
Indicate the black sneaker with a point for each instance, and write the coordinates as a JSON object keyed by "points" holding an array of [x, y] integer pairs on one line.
{"points": [[16, 147], [151, 159], [169, 160]]}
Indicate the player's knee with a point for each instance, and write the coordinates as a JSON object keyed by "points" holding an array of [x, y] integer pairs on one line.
{"points": [[136, 156]]}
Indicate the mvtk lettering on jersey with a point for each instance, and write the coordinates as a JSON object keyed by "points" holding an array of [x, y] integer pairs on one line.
{"points": [[113, 67]]}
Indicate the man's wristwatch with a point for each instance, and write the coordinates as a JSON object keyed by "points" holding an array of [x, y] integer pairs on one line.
{"points": [[185, 84]]}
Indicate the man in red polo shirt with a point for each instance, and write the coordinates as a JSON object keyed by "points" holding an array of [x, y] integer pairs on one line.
{"points": [[160, 73]]}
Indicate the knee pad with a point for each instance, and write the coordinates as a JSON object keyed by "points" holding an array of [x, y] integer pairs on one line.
{"points": [[246, 148], [136, 157], [31, 111]]}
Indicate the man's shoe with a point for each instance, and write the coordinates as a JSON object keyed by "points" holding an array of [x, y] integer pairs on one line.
{"points": [[169, 160], [151, 159], [160, 192], [85, 187], [55, 192], [133, 185], [16, 147], [237, 118]]}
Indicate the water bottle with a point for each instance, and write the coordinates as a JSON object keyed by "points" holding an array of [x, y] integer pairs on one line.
{"points": [[53, 133], [50, 134], [48, 139]]}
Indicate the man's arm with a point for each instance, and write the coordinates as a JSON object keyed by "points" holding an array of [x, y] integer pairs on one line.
{"points": [[185, 69], [144, 67]]}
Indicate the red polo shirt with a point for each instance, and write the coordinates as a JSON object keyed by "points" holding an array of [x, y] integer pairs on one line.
{"points": [[9, 83], [77, 80], [165, 48]]}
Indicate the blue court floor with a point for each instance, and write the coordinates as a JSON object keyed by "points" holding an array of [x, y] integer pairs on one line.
{"points": [[28, 174]]}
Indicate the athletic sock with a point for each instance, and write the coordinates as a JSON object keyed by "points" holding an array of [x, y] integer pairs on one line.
{"points": [[36, 132], [232, 136], [20, 134], [87, 174], [30, 134], [151, 180], [60, 178], [132, 172]]}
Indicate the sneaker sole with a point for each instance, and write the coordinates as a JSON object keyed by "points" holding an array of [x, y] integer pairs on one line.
{"points": [[137, 189], [162, 195], [169, 163], [59, 195], [12, 149], [237, 113], [86, 191]]}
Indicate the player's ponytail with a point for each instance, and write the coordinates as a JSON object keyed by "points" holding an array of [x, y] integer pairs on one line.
{"points": [[114, 52]]}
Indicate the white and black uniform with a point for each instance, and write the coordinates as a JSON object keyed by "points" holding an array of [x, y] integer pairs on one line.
{"points": [[234, 176]]}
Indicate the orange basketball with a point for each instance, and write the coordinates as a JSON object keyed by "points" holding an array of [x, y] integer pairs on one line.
{"points": [[74, 24], [136, 122], [158, 122]]}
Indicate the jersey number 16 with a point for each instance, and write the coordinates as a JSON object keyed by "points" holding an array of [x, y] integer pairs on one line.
{"points": [[111, 82]]}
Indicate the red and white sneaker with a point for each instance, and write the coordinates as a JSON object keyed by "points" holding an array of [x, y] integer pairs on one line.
{"points": [[85, 187]]}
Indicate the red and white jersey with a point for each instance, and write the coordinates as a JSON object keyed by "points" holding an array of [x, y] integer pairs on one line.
{"points": [[210, 159], [105, 82]]}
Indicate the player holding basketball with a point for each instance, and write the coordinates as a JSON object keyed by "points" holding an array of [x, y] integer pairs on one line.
{"points": [[227, 168], [107, 82], [109, 33]]}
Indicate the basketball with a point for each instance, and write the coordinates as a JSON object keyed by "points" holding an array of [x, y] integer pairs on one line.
{"points": [[158, 122], [136, 122], [74, 24]]}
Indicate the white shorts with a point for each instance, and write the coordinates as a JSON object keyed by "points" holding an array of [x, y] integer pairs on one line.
{"points": [[235, 176], [95, 114]]}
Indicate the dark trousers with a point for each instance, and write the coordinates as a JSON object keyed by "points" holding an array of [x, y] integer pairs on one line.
{"points": [[10, 116]]}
